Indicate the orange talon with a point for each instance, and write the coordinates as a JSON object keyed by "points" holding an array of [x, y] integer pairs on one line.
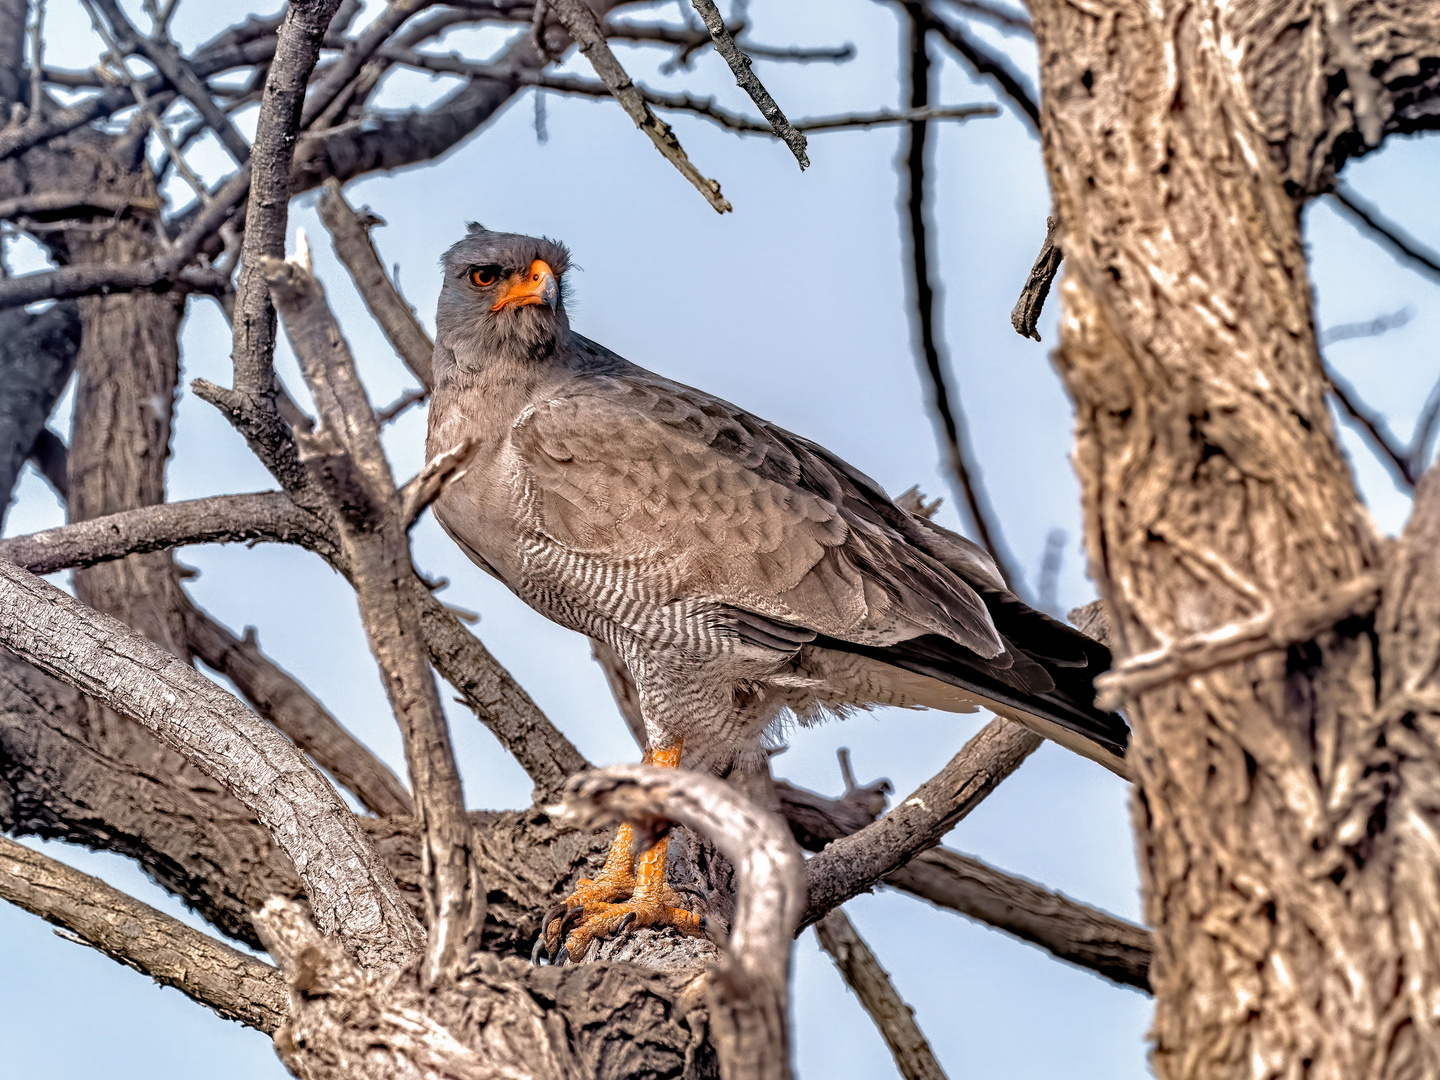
{"points": [[623, 895]]}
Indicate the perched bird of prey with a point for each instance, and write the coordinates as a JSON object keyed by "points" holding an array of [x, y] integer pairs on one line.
{"points": [[742, 573]]}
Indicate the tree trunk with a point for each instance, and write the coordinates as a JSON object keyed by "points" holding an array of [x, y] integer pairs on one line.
{"points": [[1180, 140]]}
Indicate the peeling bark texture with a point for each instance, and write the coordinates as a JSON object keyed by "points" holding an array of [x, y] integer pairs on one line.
{"points": [[1180, 140], [236, 986], [496, 1018]]}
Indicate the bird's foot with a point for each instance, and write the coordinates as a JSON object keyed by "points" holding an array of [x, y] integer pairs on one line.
{"points": [[568, 937]]}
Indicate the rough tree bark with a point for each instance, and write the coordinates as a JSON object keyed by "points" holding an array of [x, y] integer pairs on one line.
{"points": [[1181, 141]]}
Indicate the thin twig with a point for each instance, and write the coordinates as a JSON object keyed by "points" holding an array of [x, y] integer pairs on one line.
{"points": [[949, 415], [745, 78], [236, 986], [169, 62], [1381, 324], [988, 65], [853, 864], [871, 984], [1373, 426], [679, 102], [581, 24], [1393, 235], [351, 890], [350, 233]]}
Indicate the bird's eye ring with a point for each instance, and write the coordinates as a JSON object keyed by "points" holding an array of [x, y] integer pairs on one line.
{"points": [[485, 276]]}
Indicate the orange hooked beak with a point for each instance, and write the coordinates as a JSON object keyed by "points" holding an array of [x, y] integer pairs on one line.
{"points": [[536, 286]]}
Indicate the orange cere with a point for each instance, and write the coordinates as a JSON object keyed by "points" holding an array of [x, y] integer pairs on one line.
{"points": [[529, 288]]}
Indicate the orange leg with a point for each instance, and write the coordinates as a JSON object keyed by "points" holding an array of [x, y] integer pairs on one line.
{"points": [[625, 894]]}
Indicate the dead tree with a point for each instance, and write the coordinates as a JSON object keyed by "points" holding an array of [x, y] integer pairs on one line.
{"points": [[1276, 658]]}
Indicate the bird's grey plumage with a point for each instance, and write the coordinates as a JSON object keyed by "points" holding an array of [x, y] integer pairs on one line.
{"points": [[740, 571]]}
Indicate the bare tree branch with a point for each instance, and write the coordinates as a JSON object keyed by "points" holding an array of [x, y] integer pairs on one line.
{"points": [[351, 891], [1068, 930], [745, 78], [747, 993], [988, 65], [265, 516], [852, 864], [348, 463], [484, 685], [1374, 428], [1392, 235], [1025, 316], [236, 986], [871, 984], [268, 211], [350, 233], [1076, 933], [680, 102], [178, 72], [280, 699], [582, 25], [950, 416]]}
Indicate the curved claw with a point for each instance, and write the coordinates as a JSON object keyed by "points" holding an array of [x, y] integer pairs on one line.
{"points": [[626, 923], [562, 957]]}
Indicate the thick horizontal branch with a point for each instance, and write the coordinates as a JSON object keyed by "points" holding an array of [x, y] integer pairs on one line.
{"points": [[853, 864], [483, 683], [220, 519], [351, 891], [236, 986]]}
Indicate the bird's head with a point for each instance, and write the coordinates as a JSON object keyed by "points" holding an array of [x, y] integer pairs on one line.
{"points": [[503, 294]]}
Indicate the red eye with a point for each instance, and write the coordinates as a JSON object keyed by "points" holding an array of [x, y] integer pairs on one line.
{"points": [[485, 276]]}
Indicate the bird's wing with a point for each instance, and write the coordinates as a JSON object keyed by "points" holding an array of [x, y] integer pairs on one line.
{"points": [[637, 470]]}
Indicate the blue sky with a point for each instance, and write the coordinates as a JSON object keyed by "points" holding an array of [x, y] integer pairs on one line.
{"points": [[793, 307]]}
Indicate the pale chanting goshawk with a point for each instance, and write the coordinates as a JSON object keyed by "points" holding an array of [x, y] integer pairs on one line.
{"points": [[743, 574]]}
